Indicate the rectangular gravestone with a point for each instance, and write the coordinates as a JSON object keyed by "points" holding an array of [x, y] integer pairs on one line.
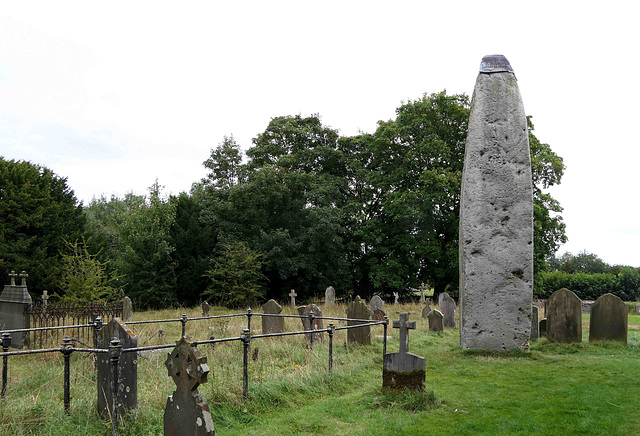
{"points": [[127, 309], [127, 369], [14, 301], [359, 310], [272, 324], [542, 327], [330, 296], [436, 321], [564, 317], [448, 309], [609, 319], [404, 370], [534, 322]]}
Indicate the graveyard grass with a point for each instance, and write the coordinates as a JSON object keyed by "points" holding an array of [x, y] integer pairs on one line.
{"points": [[553, 389]]}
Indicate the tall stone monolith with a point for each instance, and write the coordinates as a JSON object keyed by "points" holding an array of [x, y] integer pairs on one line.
{"points": [[496, 216]]}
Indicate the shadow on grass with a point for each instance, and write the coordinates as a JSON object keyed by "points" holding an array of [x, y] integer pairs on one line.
{"points": [[404, 399]]}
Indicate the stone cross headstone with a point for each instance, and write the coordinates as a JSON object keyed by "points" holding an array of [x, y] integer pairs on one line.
{"points": [[292, 296], [205, 309], [395, 298], [564, 316], [186, 412], [609, 319], [45, 298], [448, 309], [375, 303], [378, 315], [127, 369], [330, 296], [496, 216], [358, 310], [403, 370], [426, 310], [272, 324], [535, 332], [127, 309], [317, 323], [423, 300], [436, 321], [14, 300]]}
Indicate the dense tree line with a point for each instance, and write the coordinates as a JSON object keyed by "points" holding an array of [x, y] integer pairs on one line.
{"points": [[307, 208]]}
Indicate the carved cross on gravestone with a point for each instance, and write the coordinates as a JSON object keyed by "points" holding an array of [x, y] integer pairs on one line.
{"points": [[395, 296], [23, 276], [186, 412], [404, 325], [13, 276], [45, 297], [293, 296]]}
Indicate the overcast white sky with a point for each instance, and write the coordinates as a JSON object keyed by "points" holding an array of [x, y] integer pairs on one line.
{"points": [[115, 94]]}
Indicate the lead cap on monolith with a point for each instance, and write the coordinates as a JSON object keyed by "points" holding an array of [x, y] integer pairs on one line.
{"points": [[495, 64]]}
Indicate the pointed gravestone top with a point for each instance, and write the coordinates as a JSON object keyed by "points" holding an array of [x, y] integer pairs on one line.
{"points": [[358, 310], [205, 309], [330, 296], [426, 310], [272, 324]]}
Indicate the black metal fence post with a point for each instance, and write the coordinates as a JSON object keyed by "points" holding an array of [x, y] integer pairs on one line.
{"points": [[384, 340], [6, 343], [67, 349], [183, 320], [97, 325], [311, 328], [115, 350], [246, 338], [249, 315], [331, 330]]}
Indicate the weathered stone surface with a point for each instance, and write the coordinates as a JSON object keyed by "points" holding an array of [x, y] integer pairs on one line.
{"points": [[375, 303], [13, 302], [205, 309], [535, 332], [186, 412], [609, 319], [403, 369], [317, 323], [542, 327], [127, 309], [395, 298], [496, 216], [127, 369], [330, 296], [448, 309], [564, 317], [358, 310], [272, 324], [436, 321], [426, 310], [378, 315], [292, 296]]}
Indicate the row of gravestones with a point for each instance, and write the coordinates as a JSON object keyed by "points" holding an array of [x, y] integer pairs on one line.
{"points": [[608, 320]]}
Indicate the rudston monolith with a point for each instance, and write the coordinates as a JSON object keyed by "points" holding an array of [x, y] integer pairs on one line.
{"points": [[496, 216]]}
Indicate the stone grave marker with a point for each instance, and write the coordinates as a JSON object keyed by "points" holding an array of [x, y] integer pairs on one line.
{"points": [[496, 216], [423, 300], [186, 412], [609, 319], [403, 369], [330, 296], [535, 332], [395, 298], [448, 309], [358, 310], [378, 315], [317, 323], [564, 316], [45, 298], [426, 310], [272, 324], [292, 296], [205, 309], [375, 303], [637, 309], [542, 327], [127, 369], [13, 302], [127, 309], [436, 321]]}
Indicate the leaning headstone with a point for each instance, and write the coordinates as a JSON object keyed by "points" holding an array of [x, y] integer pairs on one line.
{"points": [[378, 315], [403, 370], [436, 321], [609, 319], [330, 296], [127, 369], [535, 332], [127, 309], [564, 317], [375, 303], [448, 309], [496, 216], [317, 323], [186, 412], [205, 309], [359, 310], [542, 327], [272, 324], [426, 310], [14, 301], [292, 296], [395, 298]]}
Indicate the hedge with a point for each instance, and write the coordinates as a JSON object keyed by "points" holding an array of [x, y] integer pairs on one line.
{"points": [[625, 284]]}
